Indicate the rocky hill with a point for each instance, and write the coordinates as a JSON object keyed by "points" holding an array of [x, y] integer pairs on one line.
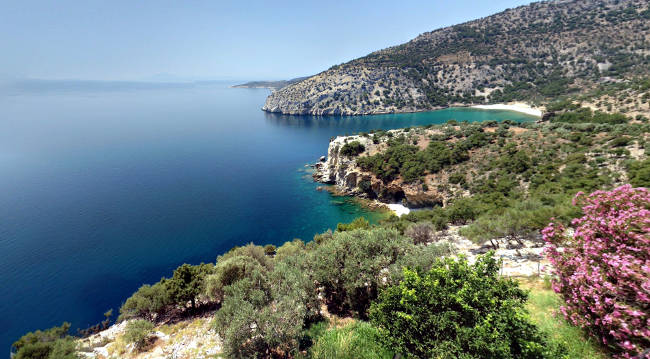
{"points": [[432, 166], [534, 53]]}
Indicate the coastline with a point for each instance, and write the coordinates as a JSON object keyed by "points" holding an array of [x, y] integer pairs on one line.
{"points": [[520, 107], [516, 106]]}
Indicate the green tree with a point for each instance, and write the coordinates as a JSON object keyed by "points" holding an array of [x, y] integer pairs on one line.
{"points": [[187, 283], [349, 266], [457, 310]]}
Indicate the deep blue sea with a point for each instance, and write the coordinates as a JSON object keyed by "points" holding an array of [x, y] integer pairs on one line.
{"points": [[104, 188]]}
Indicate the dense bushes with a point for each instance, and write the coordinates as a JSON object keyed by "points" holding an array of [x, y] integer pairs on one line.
{"points": [[457, 310], [603, 271], [229, 270], [186, 284], [264, 313], [409, 162], [53, 343], [585, 114], [639, 173], [349, 266], [353, 148], [147, 302], [520, 221]]}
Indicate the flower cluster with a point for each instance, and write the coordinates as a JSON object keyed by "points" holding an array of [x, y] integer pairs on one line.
{"points": [[603, 271]]}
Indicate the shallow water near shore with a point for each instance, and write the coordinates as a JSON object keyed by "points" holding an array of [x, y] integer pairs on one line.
{"points": [[103, 190]]}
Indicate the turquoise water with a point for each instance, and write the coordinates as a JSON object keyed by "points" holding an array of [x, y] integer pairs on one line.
{"points": [[105, 189]]}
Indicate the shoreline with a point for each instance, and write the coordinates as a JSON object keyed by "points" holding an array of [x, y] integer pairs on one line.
{"points": [[372, 205], [520, 107], [517, 107], [398, 209]]}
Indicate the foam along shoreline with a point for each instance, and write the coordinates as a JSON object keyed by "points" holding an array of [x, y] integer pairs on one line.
{"points": [[398, 209], [518, 107]]}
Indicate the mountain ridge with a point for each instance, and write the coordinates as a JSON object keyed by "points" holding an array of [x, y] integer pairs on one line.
{"points": [[534, 53]]}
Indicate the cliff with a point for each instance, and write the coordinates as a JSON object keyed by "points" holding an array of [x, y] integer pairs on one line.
{"points": [[349, 178], [532, 53], [433, 166]]}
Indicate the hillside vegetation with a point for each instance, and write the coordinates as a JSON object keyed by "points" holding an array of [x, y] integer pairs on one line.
{"points": [[531, 53], [361, 291]]}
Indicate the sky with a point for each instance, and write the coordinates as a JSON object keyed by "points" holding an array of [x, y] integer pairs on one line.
{"points": [[188, 40]]}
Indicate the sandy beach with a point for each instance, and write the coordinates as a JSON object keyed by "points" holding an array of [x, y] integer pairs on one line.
{"points": [[398, 209], [518, 107]]}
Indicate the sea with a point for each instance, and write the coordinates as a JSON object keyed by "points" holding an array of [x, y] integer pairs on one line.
{"points": [[108, 186]]}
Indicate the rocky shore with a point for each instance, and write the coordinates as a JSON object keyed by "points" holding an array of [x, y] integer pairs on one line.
{"points": [[350, 179]]}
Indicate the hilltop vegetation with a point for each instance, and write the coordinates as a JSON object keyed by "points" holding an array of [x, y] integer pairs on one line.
{"points": [[532, 53]]}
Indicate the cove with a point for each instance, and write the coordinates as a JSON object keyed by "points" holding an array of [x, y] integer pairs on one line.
{"points": [[105, 189]]}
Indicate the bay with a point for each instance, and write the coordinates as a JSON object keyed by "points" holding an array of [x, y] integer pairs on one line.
{"points": [[105, 189]]}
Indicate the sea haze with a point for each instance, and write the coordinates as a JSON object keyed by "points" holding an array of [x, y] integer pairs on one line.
{"points": [[105, 187]]}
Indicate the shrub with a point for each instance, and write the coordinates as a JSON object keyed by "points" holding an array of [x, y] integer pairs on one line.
{"points": [[358, 223], [349, 266], [353, 148], [292, 249], [421, 232], [620, 142], [457, 310], [365, 186], [358, 340], [53, 343], [228, 271], [602, 272], [187, 283], [639, 173], [457, 178], [463, 210], [137, 332], [264, 314], [147, 302]]}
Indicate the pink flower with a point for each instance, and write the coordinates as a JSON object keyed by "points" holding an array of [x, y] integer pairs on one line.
{"points": [[603, 270]]}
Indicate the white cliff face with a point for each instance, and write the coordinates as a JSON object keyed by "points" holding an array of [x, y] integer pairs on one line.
{"points": [[342, 171], [338, 169]]}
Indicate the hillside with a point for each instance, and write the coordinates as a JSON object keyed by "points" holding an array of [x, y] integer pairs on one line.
{"points": [[498, 184], [436, 165], [535, 53]]}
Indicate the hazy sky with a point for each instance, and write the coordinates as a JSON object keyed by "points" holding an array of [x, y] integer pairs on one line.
{"points": [[140, 40]]}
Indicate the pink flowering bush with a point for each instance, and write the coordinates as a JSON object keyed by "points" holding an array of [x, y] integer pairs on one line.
{"points": [[603, 271]]}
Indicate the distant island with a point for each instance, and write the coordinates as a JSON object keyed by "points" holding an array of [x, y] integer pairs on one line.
{"points": [[273, 85]]}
